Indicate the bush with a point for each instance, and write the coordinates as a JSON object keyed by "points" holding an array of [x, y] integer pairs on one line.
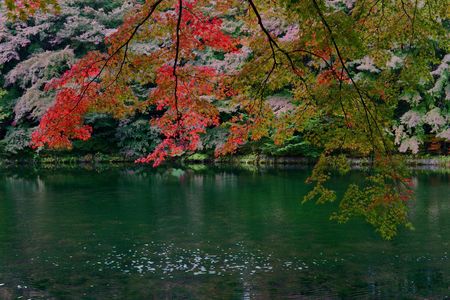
{"points": [[16, 141], [137, 138], [295, 146]]}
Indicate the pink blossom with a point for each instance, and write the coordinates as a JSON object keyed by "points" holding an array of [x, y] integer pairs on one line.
{"points": [[291, 34], [280, 105], [395, 62], [410, 144], [367, 64], [399, 132], [411, 119], [434, 119], [444, 134]]}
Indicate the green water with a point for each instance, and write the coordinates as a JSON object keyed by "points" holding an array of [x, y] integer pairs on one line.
{"points": [[212, 234]]}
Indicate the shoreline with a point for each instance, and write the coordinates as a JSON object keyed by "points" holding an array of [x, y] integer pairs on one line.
{"points": [[431, 163]]}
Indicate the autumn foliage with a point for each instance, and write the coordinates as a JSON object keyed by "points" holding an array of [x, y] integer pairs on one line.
{"points": [[183, 90], [64, 121], [346, 66], [24, 8]]}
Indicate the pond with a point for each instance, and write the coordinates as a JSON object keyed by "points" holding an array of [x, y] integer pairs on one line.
{"points": [[132, 233]]}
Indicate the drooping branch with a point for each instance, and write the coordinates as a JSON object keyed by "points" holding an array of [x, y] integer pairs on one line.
{"points": [[367, 112], [411, 19], [273, 43], [84, 69], [125, 46], [274, 46]]}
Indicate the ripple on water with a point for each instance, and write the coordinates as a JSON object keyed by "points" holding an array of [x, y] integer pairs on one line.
{"points": [[167, 259]]}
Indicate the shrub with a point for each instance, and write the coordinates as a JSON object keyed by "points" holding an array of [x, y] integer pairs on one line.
{"points": [[137, 138]]}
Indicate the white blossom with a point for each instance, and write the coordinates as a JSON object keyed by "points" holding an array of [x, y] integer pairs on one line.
{"points": [[367, 64], [291, 34], [280, 104], [442, 67], [435, 119], [395, 62], [399, 133], [37, 67], [411, 119], [410, 144], [232, 61], [16, 37], [444, 134], [336, 4], [31, 75], [412, 98]]}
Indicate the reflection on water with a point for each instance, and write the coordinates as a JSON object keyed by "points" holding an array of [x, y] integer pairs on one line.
{"points": [[213, 233]]}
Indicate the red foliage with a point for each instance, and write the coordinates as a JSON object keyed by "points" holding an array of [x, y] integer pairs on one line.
{"points": [[186, 117], [200, 31], [238, 136], [64, 121], [184, 90], [327, 76], [406, 192]]}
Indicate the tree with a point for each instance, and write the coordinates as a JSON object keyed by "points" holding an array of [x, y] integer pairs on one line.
{"points": [[31, 75], [41, 47], [345, 63]]}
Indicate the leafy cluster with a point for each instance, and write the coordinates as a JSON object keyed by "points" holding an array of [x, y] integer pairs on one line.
{"points": [[137, 138]]}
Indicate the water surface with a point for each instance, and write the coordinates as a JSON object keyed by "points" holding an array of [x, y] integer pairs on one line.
{"points": [[134, 233]]}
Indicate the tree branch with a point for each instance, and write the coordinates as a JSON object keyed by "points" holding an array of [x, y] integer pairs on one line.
{"points": [[367, 112], [110, 57], [177, 54]]}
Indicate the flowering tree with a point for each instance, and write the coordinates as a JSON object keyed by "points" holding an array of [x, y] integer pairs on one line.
{"points": [[77, 24], [31, 75], [40, 47], [347, 64], [429, 110]]}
